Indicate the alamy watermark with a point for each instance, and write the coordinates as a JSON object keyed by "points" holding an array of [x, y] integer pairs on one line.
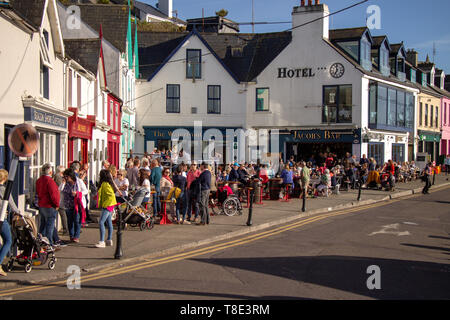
{"points": [[374, 17], [227, 146], [374, 281], [74, 17], [74, 279]]}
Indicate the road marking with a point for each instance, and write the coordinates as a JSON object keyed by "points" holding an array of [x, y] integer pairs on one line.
{"points": [[394, 226], [198, 252], [411, 223]]}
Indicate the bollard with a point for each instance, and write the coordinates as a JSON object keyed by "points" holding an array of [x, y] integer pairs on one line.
{"points": [[118, 254], [359, 190], [304, 200], [434, 176], [250, 210]]}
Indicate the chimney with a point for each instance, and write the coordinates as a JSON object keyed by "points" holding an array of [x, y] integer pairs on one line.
{"points": [[412, 57], [306, 13], [166, 6]]}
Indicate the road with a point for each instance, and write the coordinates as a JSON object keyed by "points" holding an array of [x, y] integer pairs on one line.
{"points": [[406, 241]]}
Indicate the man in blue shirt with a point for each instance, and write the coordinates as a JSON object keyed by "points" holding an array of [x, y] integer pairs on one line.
{"points": [[205, 186], [155, 179]]}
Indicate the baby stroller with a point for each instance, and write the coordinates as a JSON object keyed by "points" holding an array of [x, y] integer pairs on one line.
{"points": [[135, 214], [36, 250], [229, 205]]}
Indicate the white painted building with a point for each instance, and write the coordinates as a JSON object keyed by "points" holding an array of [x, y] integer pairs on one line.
{"points": [[32, 87], [322, 90]]}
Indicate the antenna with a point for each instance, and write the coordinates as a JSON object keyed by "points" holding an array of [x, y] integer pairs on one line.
{"points": [[434, 51]]}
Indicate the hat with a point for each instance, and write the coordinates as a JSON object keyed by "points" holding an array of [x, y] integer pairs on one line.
{"points": [[236, 164]]}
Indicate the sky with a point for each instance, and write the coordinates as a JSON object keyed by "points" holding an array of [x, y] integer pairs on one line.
{"points": [[418, 23]]}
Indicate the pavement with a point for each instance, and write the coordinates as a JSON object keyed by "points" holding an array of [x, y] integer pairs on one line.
{"points": [[169, 239]]}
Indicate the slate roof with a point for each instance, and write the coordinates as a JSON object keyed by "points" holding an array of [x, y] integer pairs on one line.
{"points": [[31, 10], [84, 51], [374, 73], [112, 17], [349, 33], [258, 51], [377, 41]]}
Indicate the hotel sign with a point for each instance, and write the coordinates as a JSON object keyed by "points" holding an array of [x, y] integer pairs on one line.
{"points": [[295, 73], [35, 115]]}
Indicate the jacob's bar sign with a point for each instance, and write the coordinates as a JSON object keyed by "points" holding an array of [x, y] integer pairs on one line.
{"points": [[352, 136]]}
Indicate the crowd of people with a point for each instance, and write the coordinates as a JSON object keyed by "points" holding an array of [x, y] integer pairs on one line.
{"points": [[66, 193]]}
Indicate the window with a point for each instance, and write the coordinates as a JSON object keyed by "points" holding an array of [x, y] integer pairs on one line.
{"points": [[111, 114], [78, 92], [376, 151], [373, 104], [421, 114], [262, 99], [400, 109], [392, 107], [351, 47], [398, 153], [384, 61], [426, 114], [44, 81], [382, 105], [337, 104], [214, 97], [173, 98], [193, 64], [409, 110], [436, 122], [445, 114], [366, 61], [431, 116], [413, 75], [424, 79]]}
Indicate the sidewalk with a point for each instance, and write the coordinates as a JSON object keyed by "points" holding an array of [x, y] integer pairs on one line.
{"points": [[168, 239]]}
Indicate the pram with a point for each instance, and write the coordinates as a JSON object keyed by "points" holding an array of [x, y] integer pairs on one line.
{"points": [[35, 249], [135, 214], [229, 205]]}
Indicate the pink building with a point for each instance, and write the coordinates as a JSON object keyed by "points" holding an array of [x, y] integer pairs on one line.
{"points": [[439, 86], [445, 125]]}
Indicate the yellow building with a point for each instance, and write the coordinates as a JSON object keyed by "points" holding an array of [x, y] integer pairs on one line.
{"points": [[428, 122]]}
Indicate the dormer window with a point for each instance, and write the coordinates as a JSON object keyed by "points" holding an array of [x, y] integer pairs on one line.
{"points": [[384, 61], [365, 58]]}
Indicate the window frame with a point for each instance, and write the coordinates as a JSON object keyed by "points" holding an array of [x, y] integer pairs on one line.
{"points": [[173, 98], [338, 98], [194, 75], [214, 99], [268, 99]]}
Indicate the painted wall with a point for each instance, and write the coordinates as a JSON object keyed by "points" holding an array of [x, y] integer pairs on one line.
{"points": [[151, 106]]}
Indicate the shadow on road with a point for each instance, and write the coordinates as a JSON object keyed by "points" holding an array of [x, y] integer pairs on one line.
{"points": [[400, 279]]}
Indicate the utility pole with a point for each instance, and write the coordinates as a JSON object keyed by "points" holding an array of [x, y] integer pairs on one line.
{"points": [[253, 16]]}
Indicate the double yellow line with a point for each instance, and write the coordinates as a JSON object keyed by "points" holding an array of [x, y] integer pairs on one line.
{"points": [[112, 271]]}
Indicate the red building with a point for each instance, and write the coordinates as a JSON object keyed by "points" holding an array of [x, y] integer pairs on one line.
{"points": [[80, 132], [115, 122]]}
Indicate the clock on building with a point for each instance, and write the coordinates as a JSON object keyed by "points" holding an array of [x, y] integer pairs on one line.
{"points": [[337, 70]]}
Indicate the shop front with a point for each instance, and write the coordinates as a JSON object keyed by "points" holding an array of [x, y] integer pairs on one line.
{"points": [[429, 142], [80, 133], [305, 144], [52, 126], [114, 148], [223, 142]]}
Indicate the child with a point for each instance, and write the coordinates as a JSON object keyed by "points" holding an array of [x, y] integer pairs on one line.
{"points": [[106, 201]]}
